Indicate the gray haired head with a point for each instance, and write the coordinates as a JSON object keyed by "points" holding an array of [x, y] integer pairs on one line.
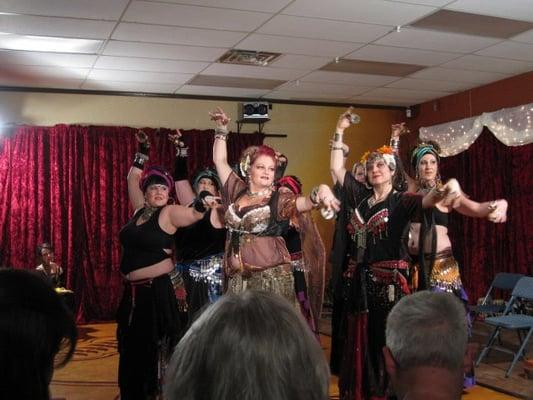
{"points": [[428, 329], [248, 346]]}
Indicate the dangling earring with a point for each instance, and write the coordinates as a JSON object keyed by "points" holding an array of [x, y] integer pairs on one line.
{"points": [[438, 180]]}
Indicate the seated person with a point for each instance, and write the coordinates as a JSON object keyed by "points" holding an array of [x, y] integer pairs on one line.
{"points": [[35, 326], [248, 346], [51, 270], [426, 342]]}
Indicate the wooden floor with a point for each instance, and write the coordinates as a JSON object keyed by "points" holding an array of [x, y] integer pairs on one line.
{"points": [[92, 374]]}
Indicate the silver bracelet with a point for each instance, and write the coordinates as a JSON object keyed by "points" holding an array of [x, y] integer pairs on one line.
{"points": [[221, 131], [337, 136], [182, 152]]}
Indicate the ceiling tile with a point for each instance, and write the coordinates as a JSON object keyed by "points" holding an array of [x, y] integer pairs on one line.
{"points": [[315, 28], [371, 67], [489, 64], [284, 44], [401, 55], [58, 27], [165, 51], [366, 11], [318, 88], [384, 101], [38, 72], [431, 40], [199, 17], [349, 79], [300, 62], [149, 64], [248, 71], [221, 91], [514, 9], [235, 82], [92, 9], [302, 96], [472, 24], [511, 50], [426, 84], [50, 59], [138, 76], [142, 87], [416, 95], [457, 75], [270, 6], [434, 3], [41, 82], [176, 35], [526, 37]]}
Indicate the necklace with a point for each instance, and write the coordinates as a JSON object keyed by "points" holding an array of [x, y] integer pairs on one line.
{"points": [[263, 192], [373, 201], [148, 212]]}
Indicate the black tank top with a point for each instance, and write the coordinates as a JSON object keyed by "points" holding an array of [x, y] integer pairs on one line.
{"points": [[441, 218], [142, 245], [199, 240]]}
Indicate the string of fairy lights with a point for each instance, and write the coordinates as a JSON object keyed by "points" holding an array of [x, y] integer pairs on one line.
{"points": [[511, 126]]}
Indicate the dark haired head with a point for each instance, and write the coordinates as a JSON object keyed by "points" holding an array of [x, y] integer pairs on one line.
{"points": [[429, 147], [35, 325], [42, 246], [248, 346], [206, 174], [156, 175]]}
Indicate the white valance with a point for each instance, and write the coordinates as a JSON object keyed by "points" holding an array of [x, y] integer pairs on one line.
{"points": [[511, 126]]}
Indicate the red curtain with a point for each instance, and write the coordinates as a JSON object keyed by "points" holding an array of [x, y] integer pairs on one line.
{"points": [[490, 170], [67, 185]]}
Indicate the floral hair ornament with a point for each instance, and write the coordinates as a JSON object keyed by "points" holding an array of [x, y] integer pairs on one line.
{"points": [[384, 152], [244, 165]]}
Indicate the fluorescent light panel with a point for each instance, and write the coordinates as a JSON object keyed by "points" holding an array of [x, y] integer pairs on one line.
{"points": [[13, 41]]}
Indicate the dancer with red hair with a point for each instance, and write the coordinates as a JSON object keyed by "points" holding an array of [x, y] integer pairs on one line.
{"points": [[257, 216]]}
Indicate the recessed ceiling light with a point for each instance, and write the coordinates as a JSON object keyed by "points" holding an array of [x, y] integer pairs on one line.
{"points": [[13, 41]]}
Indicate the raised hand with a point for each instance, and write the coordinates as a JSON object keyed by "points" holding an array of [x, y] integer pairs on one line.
{"points": [[175, 139], [220, 118], [345, 119], [398, 129]]}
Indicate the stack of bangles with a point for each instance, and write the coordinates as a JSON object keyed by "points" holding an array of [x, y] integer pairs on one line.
{"points": [[221, 133]]}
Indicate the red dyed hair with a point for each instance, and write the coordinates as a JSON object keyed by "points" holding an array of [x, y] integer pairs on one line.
{"points": [[264, 150]]}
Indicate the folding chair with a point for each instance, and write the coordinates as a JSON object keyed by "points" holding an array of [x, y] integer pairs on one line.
{"points": [[503, 281], [509, 320]]}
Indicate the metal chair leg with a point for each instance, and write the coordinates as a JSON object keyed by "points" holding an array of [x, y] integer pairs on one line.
{"points": [[488, 345], [519, 352]]}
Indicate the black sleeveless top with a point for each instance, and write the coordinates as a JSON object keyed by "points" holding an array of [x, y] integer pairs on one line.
{"points": [[142, 245], [199, 240]]}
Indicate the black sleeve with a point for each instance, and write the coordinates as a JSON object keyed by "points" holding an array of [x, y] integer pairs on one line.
{"points": [[355, 191], [180, 169]]}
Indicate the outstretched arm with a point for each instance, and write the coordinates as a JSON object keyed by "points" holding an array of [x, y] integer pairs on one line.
{"points": [[495, 211], [319, 195], [337, 162], [220, 151]]}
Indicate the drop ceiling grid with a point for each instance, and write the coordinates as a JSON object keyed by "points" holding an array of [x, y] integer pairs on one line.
{"points": [[163, 45]]}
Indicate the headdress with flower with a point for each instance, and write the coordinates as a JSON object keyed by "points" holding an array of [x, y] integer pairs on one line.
{"points": [[384, 152]]}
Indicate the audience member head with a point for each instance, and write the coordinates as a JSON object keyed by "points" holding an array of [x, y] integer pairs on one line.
{"points": [[45, 253], [249, 346], [426, 339], [35, 326]]}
